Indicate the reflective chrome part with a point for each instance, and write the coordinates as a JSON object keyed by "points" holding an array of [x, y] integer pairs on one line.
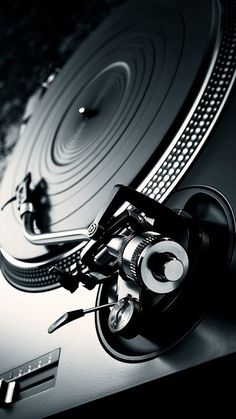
{"points": [[148, 258], [114, 246], [133, 249], [26, 207], [172, 270], [123, 316], [58, 237], [10, 393]]}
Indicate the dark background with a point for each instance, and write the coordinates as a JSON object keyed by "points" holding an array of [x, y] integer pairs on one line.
{"points": [[37, 36]]}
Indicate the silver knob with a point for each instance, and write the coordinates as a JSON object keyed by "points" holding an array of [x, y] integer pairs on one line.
{"points": [[149, 259], [165, 266]]}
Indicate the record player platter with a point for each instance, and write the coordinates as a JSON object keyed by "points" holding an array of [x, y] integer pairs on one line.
{"points": [[133, 76]]}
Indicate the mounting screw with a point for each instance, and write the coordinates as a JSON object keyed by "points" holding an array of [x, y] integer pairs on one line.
{"points": [[92, 229]]}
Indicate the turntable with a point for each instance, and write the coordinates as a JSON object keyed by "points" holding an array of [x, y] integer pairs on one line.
{"points": [[118, 216]]}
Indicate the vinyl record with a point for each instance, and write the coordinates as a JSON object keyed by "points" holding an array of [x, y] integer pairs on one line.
{"points": [[107, 119]]}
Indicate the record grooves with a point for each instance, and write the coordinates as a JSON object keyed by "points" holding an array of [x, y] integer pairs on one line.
{"points": [[132, 92]]}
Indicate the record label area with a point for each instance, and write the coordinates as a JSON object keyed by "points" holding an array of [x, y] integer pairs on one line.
{"points": [[106, 255]]}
